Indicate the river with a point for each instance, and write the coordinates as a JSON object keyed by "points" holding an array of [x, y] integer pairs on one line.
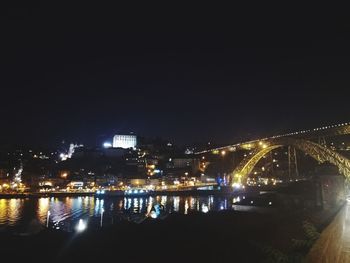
{"points": [[68, 213]]}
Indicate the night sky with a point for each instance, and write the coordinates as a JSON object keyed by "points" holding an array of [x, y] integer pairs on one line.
{"points": [[83, 74]]}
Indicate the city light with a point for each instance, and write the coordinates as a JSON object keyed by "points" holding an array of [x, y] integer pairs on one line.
{"points": [[225, 143], [236, 200], [125, 141], [63, 157], [236, 185], [107, 145]]}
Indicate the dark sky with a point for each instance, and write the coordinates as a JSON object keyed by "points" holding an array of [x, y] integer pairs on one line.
{"points": [[83, 74]]}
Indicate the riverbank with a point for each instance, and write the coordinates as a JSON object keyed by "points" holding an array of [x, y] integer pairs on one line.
{"points": [[111, 194], [39, 195]]}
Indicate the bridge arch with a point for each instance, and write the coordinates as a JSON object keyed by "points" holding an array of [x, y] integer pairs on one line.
{"points": [[316, 151]]}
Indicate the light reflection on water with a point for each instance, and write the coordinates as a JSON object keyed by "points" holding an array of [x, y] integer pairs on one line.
{"points": [[43, 208], [10, 211], [65, 213]]}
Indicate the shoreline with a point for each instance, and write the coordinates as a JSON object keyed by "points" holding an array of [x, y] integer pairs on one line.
{"points": [[123, 194]]}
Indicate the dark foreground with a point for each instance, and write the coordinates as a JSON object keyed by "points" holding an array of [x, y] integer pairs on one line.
{"points": [[334, 242], [227, 236]]}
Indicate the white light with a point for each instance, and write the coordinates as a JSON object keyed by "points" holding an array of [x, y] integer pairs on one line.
{"points": [[81, 226], [124, 141], [48, 218], [107, 145], [205, 208], [236, 185], [153, 214]]}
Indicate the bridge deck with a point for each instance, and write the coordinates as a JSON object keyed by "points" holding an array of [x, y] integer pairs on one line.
{"points": [[333, 246]]}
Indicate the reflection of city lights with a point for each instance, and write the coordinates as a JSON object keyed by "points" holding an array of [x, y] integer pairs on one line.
{"points": [[176, 203], [48, 218], [43, 207], [81, 226], [3, 210], [14, 210], [205, 208], [186, 207], [153, 214]]}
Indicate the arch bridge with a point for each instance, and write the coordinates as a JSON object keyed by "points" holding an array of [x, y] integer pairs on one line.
{"points": [[318, 152], [325, 131]]}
